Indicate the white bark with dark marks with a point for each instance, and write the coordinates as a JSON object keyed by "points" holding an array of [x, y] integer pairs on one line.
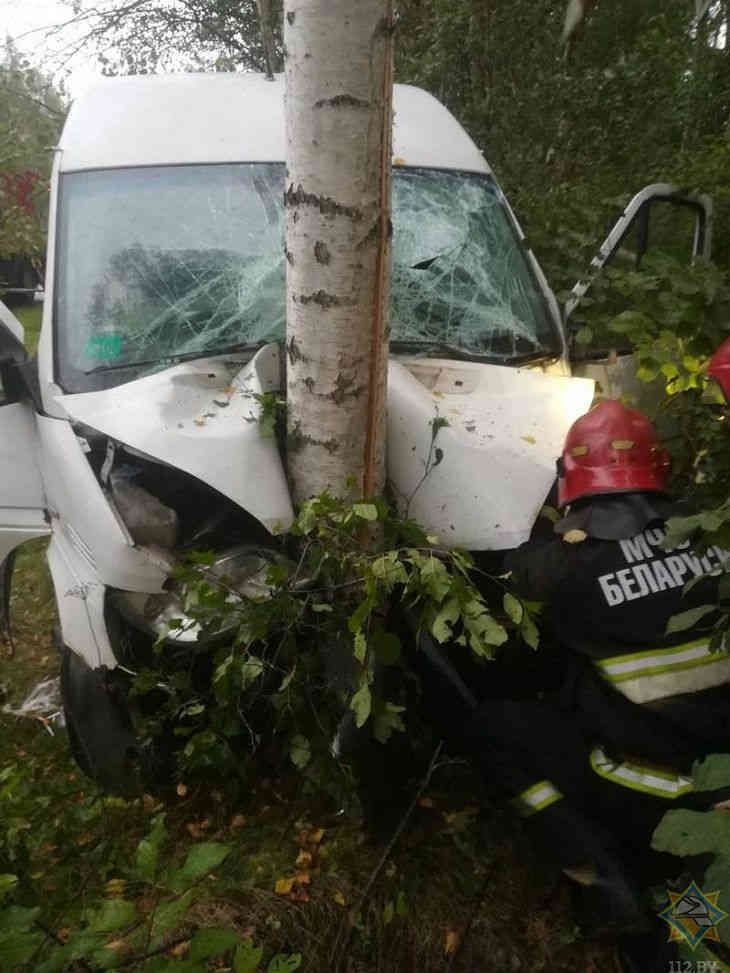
{"points": [[338, 65]]}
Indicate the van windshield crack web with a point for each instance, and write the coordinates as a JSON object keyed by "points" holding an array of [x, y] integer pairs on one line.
{"points": [[162, 263]]}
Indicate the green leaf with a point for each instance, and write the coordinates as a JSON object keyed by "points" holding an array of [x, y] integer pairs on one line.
{"points": [[584, 336], [202, 858], [435, 577], [7, 882], [285, 963], [365, 511], [386, 720], [712, 773], [360, 647], [484, 632], [389, 569], [113, 915], [251, 669], [645, 373], [300, 751], [529, 632], [388, 912], [16, 918], [361, 704], [513, 607], [442, 625], [211, 942], [169, 914], [18, 947], [247, 957], [308, 515], [401, 905], [148, 850], [356, 620], [689, 618]]}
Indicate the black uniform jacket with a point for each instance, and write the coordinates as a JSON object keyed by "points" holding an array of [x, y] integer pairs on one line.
{"points": [[609, 597]]}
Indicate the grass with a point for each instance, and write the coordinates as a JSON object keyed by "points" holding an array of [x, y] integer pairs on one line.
{"points": [[460, 891], [30, 316]]}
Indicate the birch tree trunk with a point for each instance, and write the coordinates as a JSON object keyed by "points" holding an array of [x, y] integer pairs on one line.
{"points": [[338, 68]]}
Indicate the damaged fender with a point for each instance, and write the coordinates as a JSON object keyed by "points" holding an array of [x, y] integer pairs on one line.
{"points": [[506, 426], [202, 417]]}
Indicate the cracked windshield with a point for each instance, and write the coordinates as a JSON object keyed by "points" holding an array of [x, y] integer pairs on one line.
{"points": [[163, 263]]}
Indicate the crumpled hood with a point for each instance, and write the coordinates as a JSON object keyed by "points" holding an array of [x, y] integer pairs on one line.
{"points": [[505, 428], [202, 417]]}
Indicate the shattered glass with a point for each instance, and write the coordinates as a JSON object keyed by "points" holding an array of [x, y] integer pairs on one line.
{"points": [[460, 277], [162, 263]]}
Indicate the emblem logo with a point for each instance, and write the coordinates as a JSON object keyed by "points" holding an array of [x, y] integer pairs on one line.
{"points": [[693, 915]]}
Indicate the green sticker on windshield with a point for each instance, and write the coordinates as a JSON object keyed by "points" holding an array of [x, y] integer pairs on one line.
{"points": [[104, 346]]}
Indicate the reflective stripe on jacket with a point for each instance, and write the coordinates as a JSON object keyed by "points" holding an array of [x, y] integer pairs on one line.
{"points": [[660, 673], [536, 798], [640, 777]]}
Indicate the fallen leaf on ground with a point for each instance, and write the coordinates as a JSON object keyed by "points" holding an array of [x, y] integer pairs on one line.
{"points": [[339, 898], [284, 885], [304, 858], [116, 945], [238, 821], [181, 790], [451, 942]]}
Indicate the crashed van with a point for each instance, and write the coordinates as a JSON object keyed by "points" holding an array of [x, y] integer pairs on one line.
{"points": [[133, 436]]}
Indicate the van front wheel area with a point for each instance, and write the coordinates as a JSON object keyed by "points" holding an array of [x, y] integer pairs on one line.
{"points": [[100, 731]]}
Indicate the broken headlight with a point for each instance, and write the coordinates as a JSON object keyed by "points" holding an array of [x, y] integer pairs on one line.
{"points": [[241, 571]]}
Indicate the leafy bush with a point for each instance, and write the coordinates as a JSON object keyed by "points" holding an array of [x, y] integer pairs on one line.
{"points": [[323, 637]]}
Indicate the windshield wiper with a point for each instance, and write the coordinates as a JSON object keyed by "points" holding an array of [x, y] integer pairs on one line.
{"points": [[170, 360], [445, 349], [462, 354]]}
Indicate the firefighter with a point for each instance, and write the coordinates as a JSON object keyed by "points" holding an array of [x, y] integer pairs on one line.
{"points": [[595, 766]]}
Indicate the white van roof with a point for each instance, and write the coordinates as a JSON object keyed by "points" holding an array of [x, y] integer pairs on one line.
{"points": [[148, 120]]}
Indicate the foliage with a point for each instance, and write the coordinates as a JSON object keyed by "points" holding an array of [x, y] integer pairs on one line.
{"points": [[116, 931], [689, 833], [324, 636], [671, 316], [171, 35], [30, 121]]}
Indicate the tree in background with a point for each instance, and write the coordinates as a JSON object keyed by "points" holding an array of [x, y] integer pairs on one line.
{"points": [[151, 36], [644, 95], [31, 114]]}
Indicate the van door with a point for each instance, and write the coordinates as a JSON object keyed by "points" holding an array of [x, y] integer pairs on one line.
{"points": [[657, 212], [22, 503], [662, 217]]}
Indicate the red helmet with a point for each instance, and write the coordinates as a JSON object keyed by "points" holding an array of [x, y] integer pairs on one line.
{"points": [[611, 449], [719, 367]]}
